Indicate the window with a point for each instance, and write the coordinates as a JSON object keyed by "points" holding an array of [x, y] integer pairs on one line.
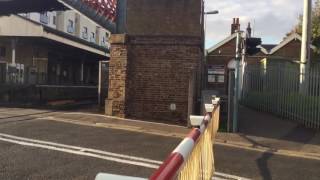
{"points": [[44, 18], [2, 52], [216, 74], [54, 20], [85, 32], [92, 37], [70, 26], [103, 41]]}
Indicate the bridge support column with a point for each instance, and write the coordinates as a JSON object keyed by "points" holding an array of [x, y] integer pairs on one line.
{"points": [[150, 76], [118, 86], [154, 68]]}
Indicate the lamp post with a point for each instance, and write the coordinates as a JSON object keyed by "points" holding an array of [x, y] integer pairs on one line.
{"points": [[204, 43], [205, 21], [305, 46]]}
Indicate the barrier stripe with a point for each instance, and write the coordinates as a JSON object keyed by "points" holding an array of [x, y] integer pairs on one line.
{"points": [[194, 134], [168, 170], [185, 148], [207, 118], [203, 128]]}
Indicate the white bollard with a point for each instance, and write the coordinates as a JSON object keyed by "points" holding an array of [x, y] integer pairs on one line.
{"points": [[196, 120], [209, 108], [103, 176], [215, 101]]}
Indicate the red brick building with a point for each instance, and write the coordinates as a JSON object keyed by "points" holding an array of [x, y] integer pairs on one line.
{"points": [[289, 49], [220, 55], [154, 67]]}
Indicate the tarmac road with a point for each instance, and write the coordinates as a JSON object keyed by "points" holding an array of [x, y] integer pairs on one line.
{"points": [[33, 148]]}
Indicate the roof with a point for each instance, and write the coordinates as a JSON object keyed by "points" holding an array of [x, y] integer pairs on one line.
{"points": [[286, 41], [223, 42], [266, 48]]}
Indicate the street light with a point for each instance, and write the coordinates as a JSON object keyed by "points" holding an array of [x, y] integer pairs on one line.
{"points": [[205, 22], [212, 12], [204, 83]]}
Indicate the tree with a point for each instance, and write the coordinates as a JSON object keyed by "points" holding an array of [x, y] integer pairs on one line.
{"points": [[315, 25]]}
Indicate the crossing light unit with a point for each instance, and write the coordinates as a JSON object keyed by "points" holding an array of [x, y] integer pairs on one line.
{"points": [[251, 45]]}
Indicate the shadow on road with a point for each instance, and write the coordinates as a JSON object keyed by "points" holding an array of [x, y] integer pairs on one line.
{"points": [[262, 163]]}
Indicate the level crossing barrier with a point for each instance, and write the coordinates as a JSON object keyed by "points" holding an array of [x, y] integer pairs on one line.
{"points": [[193, 158]]}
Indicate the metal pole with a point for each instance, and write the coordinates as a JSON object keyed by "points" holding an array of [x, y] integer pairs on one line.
{"points": [[13, 48], [243, 66], [82, 72], [230, 99], [237, 83], [305, 44], [99, 84]]}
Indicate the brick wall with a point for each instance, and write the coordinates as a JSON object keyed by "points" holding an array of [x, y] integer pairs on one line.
{"points": [[292, 51], [149, 73], [163, 17], [117, 76], [289, 51]]}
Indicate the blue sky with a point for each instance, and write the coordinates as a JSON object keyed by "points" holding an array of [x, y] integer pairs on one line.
{"points": [[271, 19]]}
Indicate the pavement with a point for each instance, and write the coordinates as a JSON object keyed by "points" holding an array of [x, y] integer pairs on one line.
{"points": [[267, 131], [51, 144]]}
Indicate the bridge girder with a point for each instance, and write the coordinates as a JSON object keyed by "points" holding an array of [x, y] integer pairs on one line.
{"points": [[102, 12]]}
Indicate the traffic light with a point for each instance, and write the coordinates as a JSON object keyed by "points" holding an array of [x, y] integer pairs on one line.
{"points": [[251, 46]]}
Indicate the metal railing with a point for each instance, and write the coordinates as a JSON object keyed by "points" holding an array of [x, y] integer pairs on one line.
{"points": [[193, 158], [281, 89]]}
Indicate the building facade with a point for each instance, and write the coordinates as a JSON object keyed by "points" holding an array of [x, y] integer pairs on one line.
{"points": [[223, 53], [72, 23], [55, 50]]}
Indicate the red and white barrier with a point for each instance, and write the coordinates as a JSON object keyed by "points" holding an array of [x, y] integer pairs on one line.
{"points": [[171, 166]]}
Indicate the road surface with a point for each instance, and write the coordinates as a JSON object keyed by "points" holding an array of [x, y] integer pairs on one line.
{"points": [[32, 146]]}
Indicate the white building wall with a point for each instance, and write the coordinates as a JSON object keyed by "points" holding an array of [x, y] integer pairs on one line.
{"points": [[48, 18], [91, 28], [74, 24]]}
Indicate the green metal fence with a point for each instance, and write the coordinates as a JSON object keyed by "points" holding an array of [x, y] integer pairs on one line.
{"points": [[276, 87]]}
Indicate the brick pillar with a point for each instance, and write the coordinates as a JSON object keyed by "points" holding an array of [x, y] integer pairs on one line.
{"points": [[150, 77], [115, 104]]}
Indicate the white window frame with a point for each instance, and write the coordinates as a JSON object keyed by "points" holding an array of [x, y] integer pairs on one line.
{"points": [[216, 74], [70, 26], [85, 32]]}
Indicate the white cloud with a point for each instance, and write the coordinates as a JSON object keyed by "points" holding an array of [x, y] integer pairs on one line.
{"points": [[272, 18]]}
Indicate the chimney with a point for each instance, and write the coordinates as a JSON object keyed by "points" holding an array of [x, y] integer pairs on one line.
{"points": [[249, 30], [235, 26]]}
